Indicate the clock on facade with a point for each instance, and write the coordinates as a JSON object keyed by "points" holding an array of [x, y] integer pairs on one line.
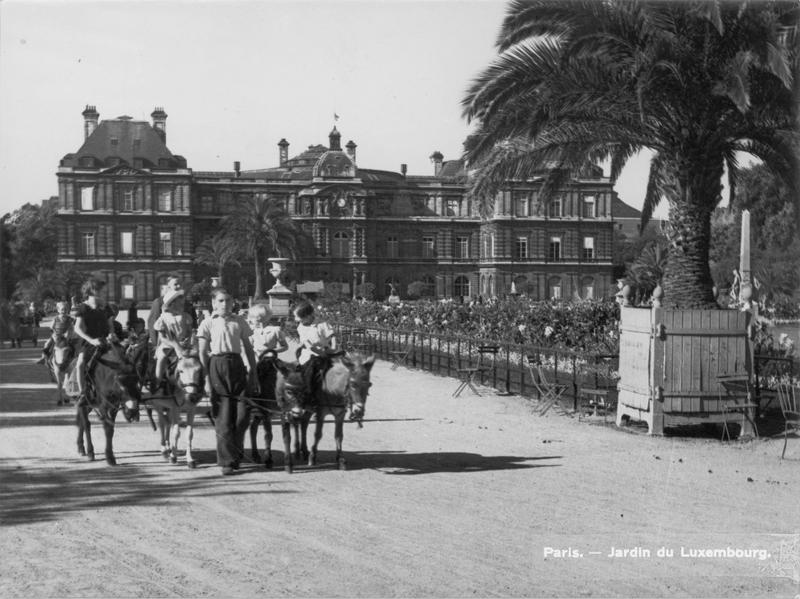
{"points": [[341, 202]]}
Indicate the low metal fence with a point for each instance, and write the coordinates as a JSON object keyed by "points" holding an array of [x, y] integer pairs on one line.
{"points": [[507, 370]]}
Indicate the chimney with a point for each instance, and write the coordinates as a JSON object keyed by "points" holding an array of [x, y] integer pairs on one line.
{"points": [[236, 170], [335, 139], [351, 149], [403, 170], [283, 152], [160, 122], [90, 116], [437, 158]]}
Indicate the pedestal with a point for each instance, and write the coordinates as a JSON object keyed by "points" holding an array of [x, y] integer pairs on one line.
{"points": [[279, 295]]}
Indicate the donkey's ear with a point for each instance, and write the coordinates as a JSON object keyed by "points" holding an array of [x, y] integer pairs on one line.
{"points": [[369, 362]]}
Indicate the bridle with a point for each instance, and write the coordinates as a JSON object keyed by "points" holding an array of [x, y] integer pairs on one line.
{"points": [[357, 391]]}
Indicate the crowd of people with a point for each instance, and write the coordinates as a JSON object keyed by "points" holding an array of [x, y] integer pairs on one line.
{"points": [[20, 322], [585, 326]]}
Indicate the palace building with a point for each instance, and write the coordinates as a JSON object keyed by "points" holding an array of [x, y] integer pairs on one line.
{"points": [[133, 213]]}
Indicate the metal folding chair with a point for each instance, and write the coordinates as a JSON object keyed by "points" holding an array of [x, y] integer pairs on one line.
{"points": [[549, 391], [736, 397], [789, 398], [400, 356], [469, 375]]}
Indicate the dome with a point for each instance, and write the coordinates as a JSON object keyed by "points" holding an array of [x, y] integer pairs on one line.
{"points": [[334, 164]]}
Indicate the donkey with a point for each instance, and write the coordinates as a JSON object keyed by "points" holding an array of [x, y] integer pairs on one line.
{"points": [[281, 392], [111, 382], [345, 386], [58, 365], [184, 390]]}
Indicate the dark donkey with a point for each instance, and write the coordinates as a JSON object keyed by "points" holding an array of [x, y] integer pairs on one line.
{"points": [[281, 391], [345, 387], [111, 382]]}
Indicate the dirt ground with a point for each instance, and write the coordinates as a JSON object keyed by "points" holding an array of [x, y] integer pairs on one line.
{"points": [[443, 497]]}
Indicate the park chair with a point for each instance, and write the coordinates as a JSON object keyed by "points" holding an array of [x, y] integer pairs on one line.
{"points": [[736, 397], [470, 374], [549, 391], [789, 398], [400, 356]]}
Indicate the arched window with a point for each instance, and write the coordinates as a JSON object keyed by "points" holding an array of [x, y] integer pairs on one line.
{"points": [[461, 287], [554, 288], [587, 288], [341, 245]]}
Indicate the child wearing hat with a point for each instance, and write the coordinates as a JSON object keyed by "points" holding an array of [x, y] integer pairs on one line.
{"points": [[174, 329]]}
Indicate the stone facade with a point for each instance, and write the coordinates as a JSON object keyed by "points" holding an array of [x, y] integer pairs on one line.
{"points": [[133, 218]]}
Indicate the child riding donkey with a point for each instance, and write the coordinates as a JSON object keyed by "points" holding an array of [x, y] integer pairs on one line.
{"points": [[92, 326], [318, 344], [62, 330], [175, 334]]}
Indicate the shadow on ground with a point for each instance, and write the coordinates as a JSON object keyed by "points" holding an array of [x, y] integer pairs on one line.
{"points": [[32, 493], [427, 463]]}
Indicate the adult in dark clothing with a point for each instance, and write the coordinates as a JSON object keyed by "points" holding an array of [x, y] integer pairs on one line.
{"points": [[91, 326], [133, 315]]}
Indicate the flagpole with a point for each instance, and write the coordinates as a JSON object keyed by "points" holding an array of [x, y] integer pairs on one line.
{"points": [[744, 254]]}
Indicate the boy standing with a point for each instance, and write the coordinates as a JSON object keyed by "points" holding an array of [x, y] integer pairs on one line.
{"points": [[221, 339]]}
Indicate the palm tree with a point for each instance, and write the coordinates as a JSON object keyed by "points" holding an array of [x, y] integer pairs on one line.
{"points": [[261, 227], [218, 252], [648, 269], [694, 82]]}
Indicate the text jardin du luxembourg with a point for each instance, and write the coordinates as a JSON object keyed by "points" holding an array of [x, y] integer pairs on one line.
{"points": [[637, 552]]}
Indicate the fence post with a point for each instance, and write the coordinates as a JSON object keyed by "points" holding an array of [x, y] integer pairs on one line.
{"points": [[574, 385]]}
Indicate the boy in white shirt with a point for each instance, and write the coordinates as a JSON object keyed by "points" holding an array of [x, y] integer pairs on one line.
{"points": [[318, 342]]}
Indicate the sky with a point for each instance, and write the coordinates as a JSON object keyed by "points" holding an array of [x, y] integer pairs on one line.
{"points": [[237, 76]]}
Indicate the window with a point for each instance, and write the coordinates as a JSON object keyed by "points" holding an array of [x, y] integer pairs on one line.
{"points": [[428, 247], [429, 289], [88, 244], [453, 207], [522, 247], [392, 247], [555, 208], [588, 248], [126, 243], [461, 287], [555, 249], [492, 246], [126, 288], [341, 245], [165, 200], [114, 141], [165, 243], [127, 200], [587, 288], [87, 198], [554, 287], [462, 247], [588, 207], [207, 204], [521, 206]]}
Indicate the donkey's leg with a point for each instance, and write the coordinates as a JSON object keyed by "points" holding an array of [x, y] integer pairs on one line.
{"points": [[163, 431], [255, 420], [338, 435], [81, 419], [319, 419], [303, 434], [286, 428], [108, 417], [190, 412], [174, 433]]}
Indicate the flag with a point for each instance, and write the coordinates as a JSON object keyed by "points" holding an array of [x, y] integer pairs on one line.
{"points": [[335, 117]]}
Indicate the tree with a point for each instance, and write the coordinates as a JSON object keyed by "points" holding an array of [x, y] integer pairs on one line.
{"points": [[261, 227], [694, 82], [38, 287], [218, 252]]}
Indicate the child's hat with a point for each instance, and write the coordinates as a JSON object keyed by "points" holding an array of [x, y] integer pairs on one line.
{"points": [[172, 295]]}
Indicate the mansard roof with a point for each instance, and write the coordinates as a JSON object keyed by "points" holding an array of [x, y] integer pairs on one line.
{"points": [[117, 138]]}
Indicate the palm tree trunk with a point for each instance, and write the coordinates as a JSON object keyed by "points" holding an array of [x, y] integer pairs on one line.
{"points": [[257, 293], [695, 191], [219, 275]]}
